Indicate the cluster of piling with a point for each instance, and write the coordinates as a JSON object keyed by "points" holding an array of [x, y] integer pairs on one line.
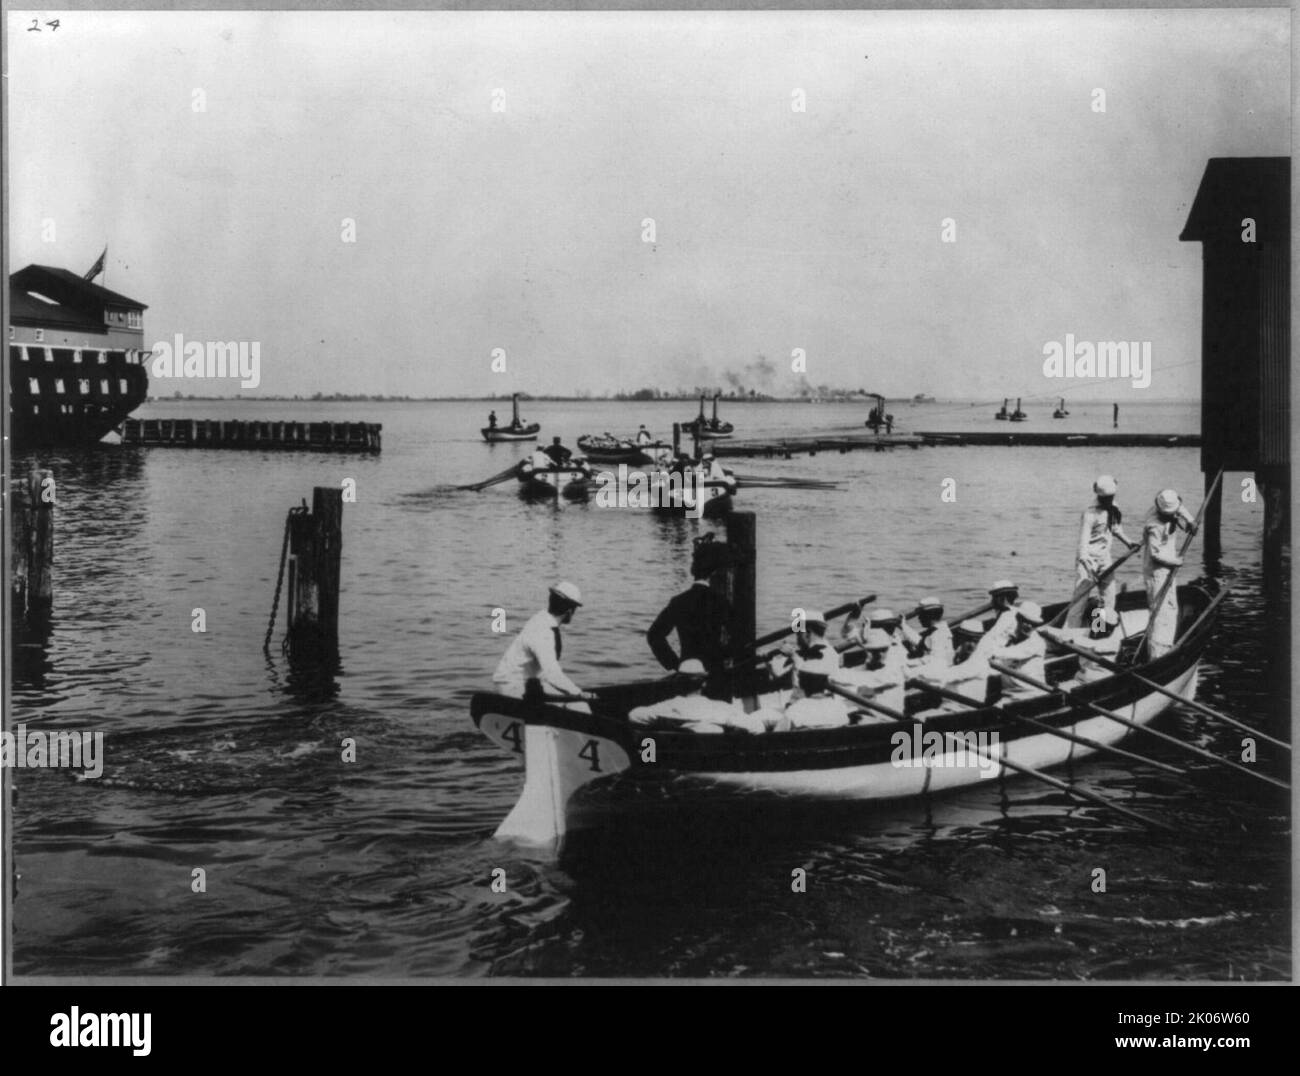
{"points": [[31, 580], [237, 433]]}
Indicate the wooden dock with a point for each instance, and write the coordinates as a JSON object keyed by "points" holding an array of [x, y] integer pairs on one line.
{"points": [[236, 433], [833, 441]]}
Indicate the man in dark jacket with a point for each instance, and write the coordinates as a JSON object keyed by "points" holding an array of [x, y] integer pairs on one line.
{"points": [[700, 616]]}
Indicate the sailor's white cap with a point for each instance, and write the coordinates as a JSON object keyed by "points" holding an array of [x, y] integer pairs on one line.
{"points": [[971, 627], [568, 591], [1167, 500], [930, 603], [882, 615], [1002, 585], [814, 616], [1030, 612], [1105, 486], [876, 639]]}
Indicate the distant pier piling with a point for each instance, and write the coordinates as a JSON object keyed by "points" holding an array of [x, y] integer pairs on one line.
{"points": [[315, 557], [32, 549]]}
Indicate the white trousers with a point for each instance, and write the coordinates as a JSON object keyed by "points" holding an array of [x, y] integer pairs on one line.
{"points": [[1083, 584], [1164, 621]]}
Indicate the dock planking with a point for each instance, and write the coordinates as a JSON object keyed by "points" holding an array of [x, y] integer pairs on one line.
{"points": [[813, 443], [239, 434]]}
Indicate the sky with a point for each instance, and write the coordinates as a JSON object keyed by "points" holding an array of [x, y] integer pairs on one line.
{"points": [[501, 171]]}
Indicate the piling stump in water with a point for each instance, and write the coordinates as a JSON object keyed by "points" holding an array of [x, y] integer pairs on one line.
{"points": [[315, 555], [737, 584], [32, 548]]}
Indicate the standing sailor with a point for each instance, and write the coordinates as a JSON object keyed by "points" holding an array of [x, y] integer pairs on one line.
{"points": [[1101, 522], [533, 656], [700, 616], [643, 436], [492, 420], [1159, 557]]}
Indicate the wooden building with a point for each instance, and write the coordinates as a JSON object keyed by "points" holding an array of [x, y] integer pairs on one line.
{"points": [[1242, 218]]}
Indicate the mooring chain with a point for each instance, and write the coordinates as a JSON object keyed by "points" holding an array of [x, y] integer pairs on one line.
{"points": [[279, 580]]}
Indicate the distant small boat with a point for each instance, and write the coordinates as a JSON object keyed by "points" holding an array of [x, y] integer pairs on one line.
{"points": [[1003, 415], [708, 429], [516, 431], [1060, 412], [607, 449], [1017, 415], [922, 397], [877, 418]]}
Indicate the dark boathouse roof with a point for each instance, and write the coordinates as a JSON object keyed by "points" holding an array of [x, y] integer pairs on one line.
{"points": [[77, 302], [1245, 312], [1234, 188]]}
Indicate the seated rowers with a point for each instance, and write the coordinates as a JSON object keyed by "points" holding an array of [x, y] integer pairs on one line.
{"points": [[931, 644], [695, 712], [1005, 595], [967, 676], [881, 679], [812, 704], [1025, 652], [1102, 639]]}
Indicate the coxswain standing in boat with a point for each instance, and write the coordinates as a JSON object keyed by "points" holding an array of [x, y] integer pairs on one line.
{"points": [[932, 643], [1025, 651], [1101, 639], [643, 436], [1159, 556], [699, 615], [492, 420], [531, 662], [1099, 525]]}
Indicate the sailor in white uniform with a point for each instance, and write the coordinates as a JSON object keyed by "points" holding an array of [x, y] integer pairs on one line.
{"points": [[1025, 652], [1098, 527], [534, 654], [1159, 555]]}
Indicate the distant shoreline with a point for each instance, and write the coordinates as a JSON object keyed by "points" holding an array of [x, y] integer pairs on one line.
{"points": [[728, 401]]}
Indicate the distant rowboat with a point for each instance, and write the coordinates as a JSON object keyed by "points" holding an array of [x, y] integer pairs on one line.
{"points": [[708, 429], [516, 431], [613, 450], [572, 480]]}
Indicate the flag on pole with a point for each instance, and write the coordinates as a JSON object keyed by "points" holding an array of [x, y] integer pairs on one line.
{"points": [[97, 268]]}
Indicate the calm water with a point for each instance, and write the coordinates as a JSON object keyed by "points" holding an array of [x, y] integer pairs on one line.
{"points": [[220, 758]]}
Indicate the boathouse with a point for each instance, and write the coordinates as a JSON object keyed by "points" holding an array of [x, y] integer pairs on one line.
{"points": [[1242, 217]]}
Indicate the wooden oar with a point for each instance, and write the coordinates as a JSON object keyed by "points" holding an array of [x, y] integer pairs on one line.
{"points": [[1001, 759], [508, 473], [980, 611], [776, 636], [1085, 588], [1174, 740], [1096, 745], [1200, 707], [1145, 648]]}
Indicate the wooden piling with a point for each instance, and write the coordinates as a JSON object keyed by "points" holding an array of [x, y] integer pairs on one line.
{"points": [[739, 583], [1210, 522], [677, 439], [32, 548], [315, 552]]}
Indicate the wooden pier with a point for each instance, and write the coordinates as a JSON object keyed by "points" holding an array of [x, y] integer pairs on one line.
{"points": [[832, 441], [236, 433]]}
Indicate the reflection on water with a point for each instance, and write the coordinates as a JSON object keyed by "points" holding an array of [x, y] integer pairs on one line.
{"points": [[218, 755]]}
